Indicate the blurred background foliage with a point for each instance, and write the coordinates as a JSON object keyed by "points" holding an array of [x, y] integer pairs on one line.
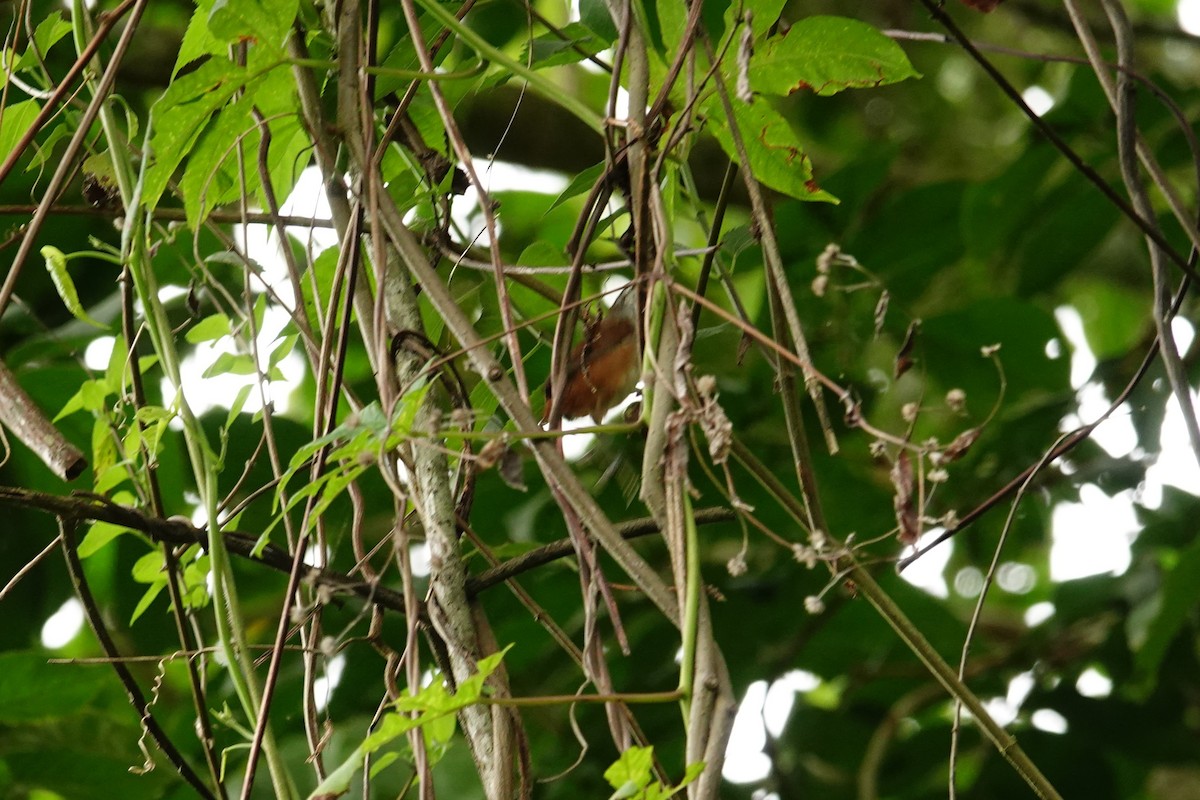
{"points": [[972, 224]]}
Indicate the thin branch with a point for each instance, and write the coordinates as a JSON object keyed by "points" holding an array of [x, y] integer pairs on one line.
{"points": [[67, 526], [28, 567], [66, 165], [178, 532], [1146, 225], [1127, 147], [773, 263], [977, 613], [180, 614], [1043, 15], [172, 215], [563, 547], [50, 107]]}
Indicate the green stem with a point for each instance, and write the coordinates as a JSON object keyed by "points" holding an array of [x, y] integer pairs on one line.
{"points": [[389, 72], [535, 79], [911, 636], [231, 636], [691, 608], [1005, 742]]}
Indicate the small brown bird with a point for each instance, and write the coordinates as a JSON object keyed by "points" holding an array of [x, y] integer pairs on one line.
{"points": [[604, 367]]}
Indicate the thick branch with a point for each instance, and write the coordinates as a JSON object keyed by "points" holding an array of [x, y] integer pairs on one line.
{"points": [[25, 419]]}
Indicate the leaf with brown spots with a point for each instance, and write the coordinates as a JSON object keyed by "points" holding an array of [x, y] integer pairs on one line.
{"points": [[825, 55], [777, 157]]}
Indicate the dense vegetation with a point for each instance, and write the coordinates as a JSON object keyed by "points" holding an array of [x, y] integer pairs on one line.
{"points": [[286, 285]]}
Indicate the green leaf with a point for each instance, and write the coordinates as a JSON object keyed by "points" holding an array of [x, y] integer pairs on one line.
{"points": [[147, 599], [235, 408], [692, 772], [285, 347], [115, 372], [213, 176], [378, 765], [440, 728], [56, 265], [1177, 600], [149, 568], [582, 182], [634, 768], [131, 445], [266, 23], [195, 577], [333, 488], [91, 396], [551, 50], [470, 690], [198, 40], [594, 14], [108, 479], [776, 156], [231, 363], [210, 177], [30, 689], [394, 725], [49, 32], [672, 22], [826, 55], [180, 116], [290, 148], [47, 147], [101, 175], [436, 707], [763, 14], [1114, 318], [14, 123], [100, 534], [153, 421], [104, 450], [337, 782], [208, 329]]}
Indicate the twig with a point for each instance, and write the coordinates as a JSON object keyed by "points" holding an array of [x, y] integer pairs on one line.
{"points": [[1128, 150], [977, 612], [1059, 143], [562, 547], [486, 204], [66, 527], [188, 640], [172, 215], [29, 567], [50, 107], [773, 263], [66, 165]]}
